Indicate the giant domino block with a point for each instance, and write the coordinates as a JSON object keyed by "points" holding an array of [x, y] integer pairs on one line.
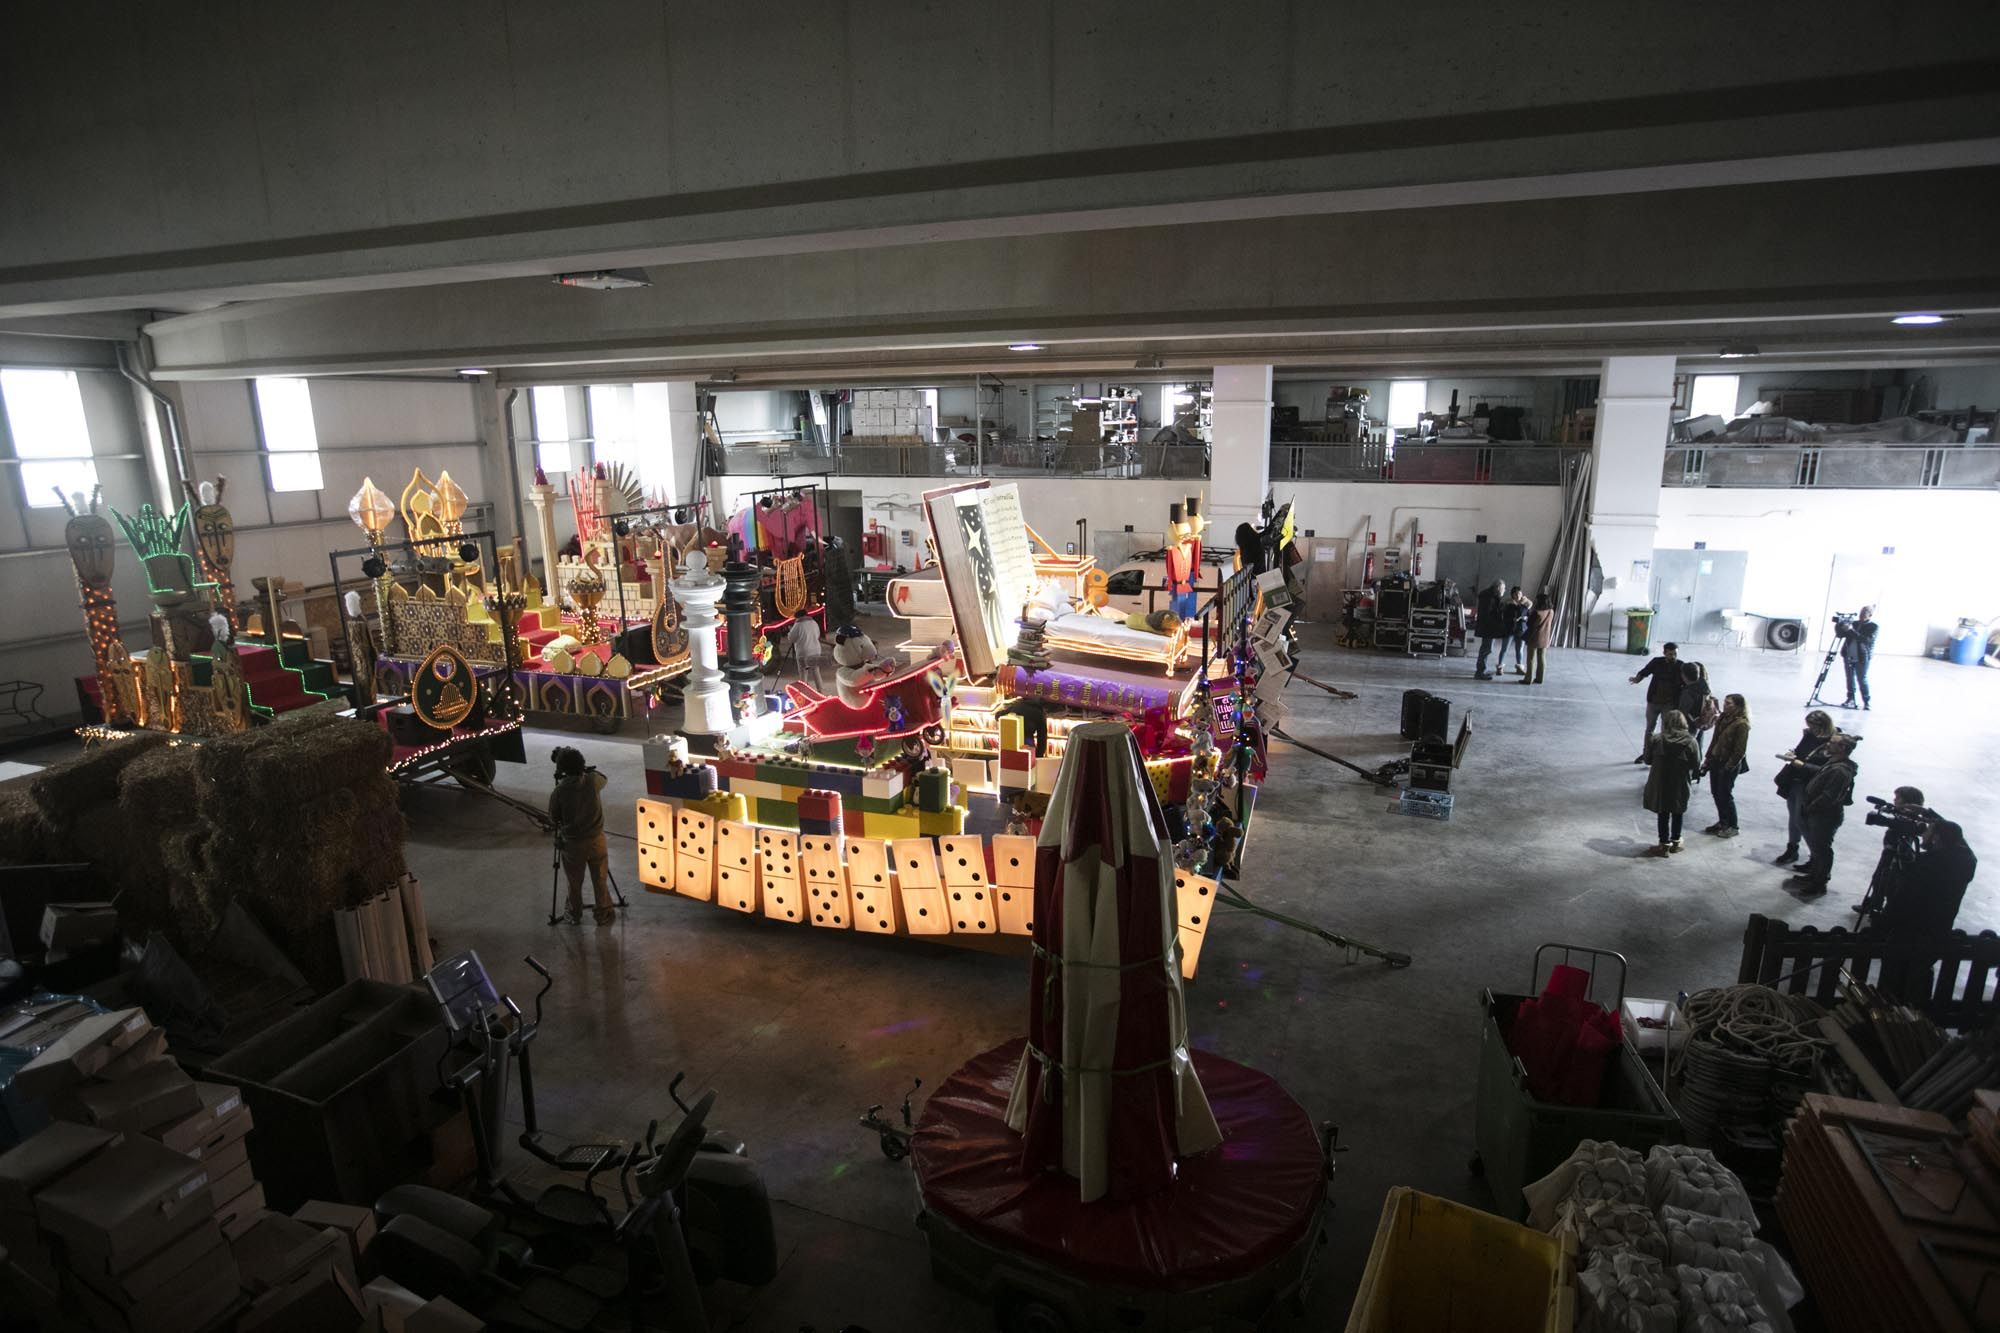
{"points": [[656, 867], [871, 887], [1194, 900], [915, 861], [655, 823], [1014, 883], [968, 894]]}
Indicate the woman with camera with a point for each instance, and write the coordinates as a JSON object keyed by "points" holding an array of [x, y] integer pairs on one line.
{"points": [[1671, 781], [1726, 762], [1793, 776]]}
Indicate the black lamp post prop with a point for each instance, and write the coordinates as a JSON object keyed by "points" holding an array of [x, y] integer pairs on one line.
{"points": [[739, 603]]}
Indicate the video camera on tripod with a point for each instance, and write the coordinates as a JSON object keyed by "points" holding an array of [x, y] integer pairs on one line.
{"points": [[1906, 825], [1904, 821]]}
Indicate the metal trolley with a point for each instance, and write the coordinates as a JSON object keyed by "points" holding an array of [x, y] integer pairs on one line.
{"points": [[1520, 1139]]}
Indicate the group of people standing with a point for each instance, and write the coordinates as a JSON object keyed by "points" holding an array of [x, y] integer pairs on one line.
{"points": [[1529, 624], [1685, 710]]}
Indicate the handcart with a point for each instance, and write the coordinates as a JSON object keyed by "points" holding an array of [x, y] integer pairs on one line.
{"points": [[1519, 1138]]}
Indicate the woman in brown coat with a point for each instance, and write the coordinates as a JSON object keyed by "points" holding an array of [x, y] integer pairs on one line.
{"points": [[1541, 629], [1726, 761]]}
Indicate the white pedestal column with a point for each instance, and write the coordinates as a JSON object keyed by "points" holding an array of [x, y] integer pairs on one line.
{"points": [[1239, 470], [543, 498], [705, 700], [1634, 408]]}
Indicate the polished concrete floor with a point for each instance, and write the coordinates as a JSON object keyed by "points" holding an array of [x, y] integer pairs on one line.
{"points": [[799, 1029]]}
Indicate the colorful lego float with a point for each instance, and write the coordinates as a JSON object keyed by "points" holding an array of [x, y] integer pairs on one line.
{"points": [[905, 796]]}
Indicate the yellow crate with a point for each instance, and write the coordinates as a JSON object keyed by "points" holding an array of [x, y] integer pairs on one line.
{"points": [[941, 823], [1440, 1267]]}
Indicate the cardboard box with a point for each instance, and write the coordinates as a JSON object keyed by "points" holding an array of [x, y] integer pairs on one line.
{"points": [[40, 1161], [277, 1249], [157, 1093], [221, 1133], [442, 1316], [323, 1298], [236, 1216], [201, 1246], [197, 1300], [220, 1103], [88, 1046], [149, 1049], [350, 1220], [31, 1027], [227, 1182], [67, 926], [126, 1202]]}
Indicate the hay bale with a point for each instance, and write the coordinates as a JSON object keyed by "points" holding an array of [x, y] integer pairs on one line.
{"points": [[273, 768], [26, 836], [91, 778], [161, 787]]}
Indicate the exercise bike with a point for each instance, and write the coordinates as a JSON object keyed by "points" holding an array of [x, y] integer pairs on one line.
{"points": [[559, 1258]]}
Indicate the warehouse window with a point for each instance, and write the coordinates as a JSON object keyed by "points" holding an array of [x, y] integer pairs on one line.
{"points": [[611, 435], [1714, 395], [291, 444], [45, 418], [652, 433], [550, 404], [1406, 402]]}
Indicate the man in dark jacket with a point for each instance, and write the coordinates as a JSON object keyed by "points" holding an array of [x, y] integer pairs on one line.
{"points": [[1857, 649], [1828, 794], [1924, 905], [1663, 689], [1494, 619]]}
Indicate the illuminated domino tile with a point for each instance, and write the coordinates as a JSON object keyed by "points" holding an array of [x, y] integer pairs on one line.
{"points": [[738, 890], [655, 824], [871, 887], [1014, 883], [1194, 899], [694, 877], [656, 868], [694, 835], [915, 861]]}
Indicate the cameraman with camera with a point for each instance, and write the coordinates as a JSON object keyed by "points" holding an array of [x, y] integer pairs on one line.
{"points": [[1902, 821], [1857, 635], [577, 818], [1924, 904]]}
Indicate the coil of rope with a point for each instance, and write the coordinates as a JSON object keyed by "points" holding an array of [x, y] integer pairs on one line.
{"points": [[1751, 1054]]}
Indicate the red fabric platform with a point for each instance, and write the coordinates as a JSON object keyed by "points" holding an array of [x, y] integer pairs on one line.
{"points": [[1234, 1211]]}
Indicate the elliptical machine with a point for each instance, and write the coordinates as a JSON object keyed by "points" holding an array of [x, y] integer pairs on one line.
{"points": [[561, 1257]]}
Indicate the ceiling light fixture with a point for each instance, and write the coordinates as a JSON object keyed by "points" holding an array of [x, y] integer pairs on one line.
{"points": [[1922, 317], [605, 279], [474, 370], [1732, 351], [1024, 347], [1149, 363], [722, 377]]}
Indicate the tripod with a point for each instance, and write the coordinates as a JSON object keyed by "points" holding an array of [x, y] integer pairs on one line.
{"points": [[1832, 651], [555, 883]]}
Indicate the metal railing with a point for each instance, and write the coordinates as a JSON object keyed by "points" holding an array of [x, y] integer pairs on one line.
{"points": [[1822, 466], [1008, 458], [1507, 464]]}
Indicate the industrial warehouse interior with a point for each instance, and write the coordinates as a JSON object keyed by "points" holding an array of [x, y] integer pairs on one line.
{"points": [[894, 668]]}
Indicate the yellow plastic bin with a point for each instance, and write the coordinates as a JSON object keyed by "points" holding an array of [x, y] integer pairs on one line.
{"points": [[1440, 1267]]}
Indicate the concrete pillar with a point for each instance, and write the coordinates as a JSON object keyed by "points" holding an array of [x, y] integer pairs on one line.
{"points": [[1634, 405], [1239, 469]]}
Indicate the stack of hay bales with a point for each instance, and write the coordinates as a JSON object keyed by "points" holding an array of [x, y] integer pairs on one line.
{"points": [[294, 821]]}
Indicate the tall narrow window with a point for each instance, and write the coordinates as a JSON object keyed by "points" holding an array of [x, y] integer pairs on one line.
{"points": [[550, 403], [652, 433], [291, 444], [611, 424], [45, 417], [1714, 395], [1406, 402]]}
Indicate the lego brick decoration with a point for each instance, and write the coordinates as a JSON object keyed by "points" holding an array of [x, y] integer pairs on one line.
{"points": [[1013, 732], [656, 868], [819, 811], [655, 824], [972, 774], [933, 790], [722, 805], [871, 887]]}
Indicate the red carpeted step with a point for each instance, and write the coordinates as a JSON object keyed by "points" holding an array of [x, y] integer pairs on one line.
{"points": [[272, 684]]}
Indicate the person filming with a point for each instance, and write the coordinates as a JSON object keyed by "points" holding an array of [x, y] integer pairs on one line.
{"points": [[1923, 907], [1902, 821], [577, 815], [1857, 648]]}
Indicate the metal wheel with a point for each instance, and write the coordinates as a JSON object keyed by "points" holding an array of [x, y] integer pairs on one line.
{"points": [[894, 1148]]}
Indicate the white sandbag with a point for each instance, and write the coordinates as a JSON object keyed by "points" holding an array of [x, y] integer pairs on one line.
{"points": [[1622, 1292], [1691, 1178], [1596, 1170], [1714, 1302], [1605, 1225]]}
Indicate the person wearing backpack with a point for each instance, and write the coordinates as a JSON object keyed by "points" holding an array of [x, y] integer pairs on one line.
{"points": [[1671, 779], [1727, 760]]}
